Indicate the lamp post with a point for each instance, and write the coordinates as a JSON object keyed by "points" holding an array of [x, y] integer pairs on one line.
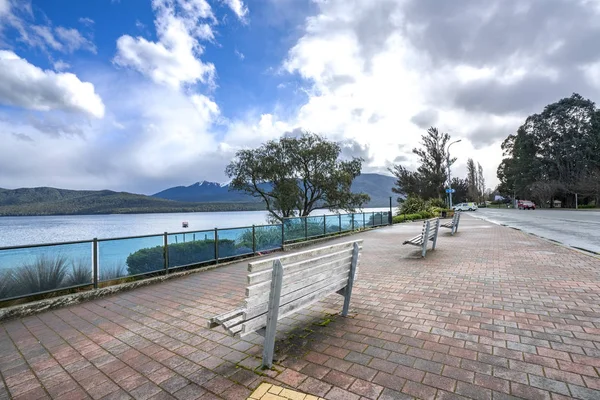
{"points": [[449, 176]]}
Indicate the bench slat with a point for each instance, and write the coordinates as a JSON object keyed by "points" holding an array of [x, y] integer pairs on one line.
{"points": [[289, 268], [260, 294], [303, 302], [333, 276], [234, 321], [267, 264], [254, 290]]}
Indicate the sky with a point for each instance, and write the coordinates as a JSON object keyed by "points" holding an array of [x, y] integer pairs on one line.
{"points": [[142, 95]]}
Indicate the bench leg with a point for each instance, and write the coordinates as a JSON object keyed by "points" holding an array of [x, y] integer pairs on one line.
{"points": [[437, 230], [348, 291], [425, 240], [272, 315]]}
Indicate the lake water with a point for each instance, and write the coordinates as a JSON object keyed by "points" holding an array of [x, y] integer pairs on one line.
{"points": [[16, 231], [119, 255]]}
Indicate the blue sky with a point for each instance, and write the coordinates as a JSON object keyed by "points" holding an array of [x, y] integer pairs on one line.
{"points": [[141, 95]]}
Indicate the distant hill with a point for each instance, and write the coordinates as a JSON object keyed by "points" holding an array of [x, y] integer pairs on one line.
{"points": [[52, 201], [378, 186]]}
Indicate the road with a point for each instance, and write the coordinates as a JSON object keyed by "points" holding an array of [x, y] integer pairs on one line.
{"points": [[579, 229]]}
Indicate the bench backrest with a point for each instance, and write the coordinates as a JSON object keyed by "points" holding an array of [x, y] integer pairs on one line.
{"points": [[430, 228], [455, 218], [308, 277]]}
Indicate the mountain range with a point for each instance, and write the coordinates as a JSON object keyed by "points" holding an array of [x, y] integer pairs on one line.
{"points": [[377, 186], [201, 196]]}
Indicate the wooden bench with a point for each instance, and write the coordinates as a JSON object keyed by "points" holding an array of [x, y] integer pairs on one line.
{"points": [[429, 232], [453, 224], [280, 286]]}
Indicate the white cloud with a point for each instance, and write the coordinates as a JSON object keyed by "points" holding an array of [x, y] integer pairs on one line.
{"points": [[174, 60], [239, 9], [87, 21], [73, 40], [25, 85], [60, 65], [45, 33]]}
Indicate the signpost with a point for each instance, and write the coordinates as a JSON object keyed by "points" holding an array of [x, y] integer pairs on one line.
{"points": [[450, 191]]}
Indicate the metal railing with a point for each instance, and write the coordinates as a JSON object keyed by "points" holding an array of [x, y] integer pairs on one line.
{"points": [[33, 270]]}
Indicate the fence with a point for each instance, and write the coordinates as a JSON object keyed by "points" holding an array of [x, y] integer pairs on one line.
{"points": [[45, 268]]}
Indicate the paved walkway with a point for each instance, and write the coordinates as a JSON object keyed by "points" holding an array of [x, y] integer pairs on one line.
{"points": [[492, 313]]}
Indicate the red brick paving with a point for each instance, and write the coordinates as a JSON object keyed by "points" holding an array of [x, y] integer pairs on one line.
{"points": [[493, 313]]}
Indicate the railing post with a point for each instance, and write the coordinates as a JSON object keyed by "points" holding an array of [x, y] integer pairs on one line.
{"points": [[282, 232], [166, 251], [373, 218], [352, 215], [364, 222], [324, 225], [217, 245], [95, 263], [253, 240], [340, 221], [305, 228]]}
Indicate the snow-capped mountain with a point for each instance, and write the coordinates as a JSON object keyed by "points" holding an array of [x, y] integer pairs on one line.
{"points": [[379, 187]]}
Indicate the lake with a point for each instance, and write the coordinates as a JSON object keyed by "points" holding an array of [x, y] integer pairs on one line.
{"points": [[28, 270], [16, 231]]}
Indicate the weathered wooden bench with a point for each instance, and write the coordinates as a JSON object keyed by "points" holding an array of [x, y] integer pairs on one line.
{"points": [[280, 286], [429, 233], [453, 224]]}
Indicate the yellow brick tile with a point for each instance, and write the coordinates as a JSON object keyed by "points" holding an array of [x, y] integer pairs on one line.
{"points": [[275, 389], [271, 396], [260, 390], [311, 397], [292, 395]]}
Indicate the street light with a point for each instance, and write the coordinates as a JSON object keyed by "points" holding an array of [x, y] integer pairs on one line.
{"points": [[449, 177]]}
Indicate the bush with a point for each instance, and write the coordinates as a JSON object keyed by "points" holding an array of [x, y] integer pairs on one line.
{"points": [[6, 283], [412, 205], [587, 206], [435, 203], [110, 272], [151, 259], [80, 273], [406, 218], [44, 274]]}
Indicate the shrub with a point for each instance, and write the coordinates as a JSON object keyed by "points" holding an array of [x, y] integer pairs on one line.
{"points": [[6, 283], [113, 271], [587, 206], [151, 259], [266, 237], [412, 205], [435, 203], [80, 273], [406, 218], [44, 274]]}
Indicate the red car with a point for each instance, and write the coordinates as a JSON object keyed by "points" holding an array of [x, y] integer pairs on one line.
{"points": [[525, 205]]}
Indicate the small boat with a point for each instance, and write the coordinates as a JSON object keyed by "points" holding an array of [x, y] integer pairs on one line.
{"points": [[184, 224]]}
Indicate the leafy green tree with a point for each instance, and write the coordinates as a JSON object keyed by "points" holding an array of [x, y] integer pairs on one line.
{"points": [[429, 180], [294, 176], [553, 154], [461, 190]]}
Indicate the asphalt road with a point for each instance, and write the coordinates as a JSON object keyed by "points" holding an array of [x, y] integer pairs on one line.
{"points": [[580, 229]]}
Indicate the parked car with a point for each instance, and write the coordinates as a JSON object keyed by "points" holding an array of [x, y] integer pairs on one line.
{"points": [[525, 205], [465, 207]]}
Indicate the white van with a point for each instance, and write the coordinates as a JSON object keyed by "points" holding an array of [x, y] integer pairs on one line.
{"points": [[465, 207]]}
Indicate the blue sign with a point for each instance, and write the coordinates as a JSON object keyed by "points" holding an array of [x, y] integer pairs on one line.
{"points": [[450, 190]]}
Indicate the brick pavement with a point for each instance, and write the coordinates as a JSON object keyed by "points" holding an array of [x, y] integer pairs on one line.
{"points": [[492, 313]]}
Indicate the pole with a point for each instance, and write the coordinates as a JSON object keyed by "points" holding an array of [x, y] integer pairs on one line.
{"points": [[576, 205], [95, 263], [390, 217], [449, 174], [253, 240], [166, 251], [216, 245]]}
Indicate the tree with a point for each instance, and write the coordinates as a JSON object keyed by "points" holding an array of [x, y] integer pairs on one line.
{"points": [[461, 190], [429, 180], [294, 176], [472, 180], [481, 183], [554, 151]]}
